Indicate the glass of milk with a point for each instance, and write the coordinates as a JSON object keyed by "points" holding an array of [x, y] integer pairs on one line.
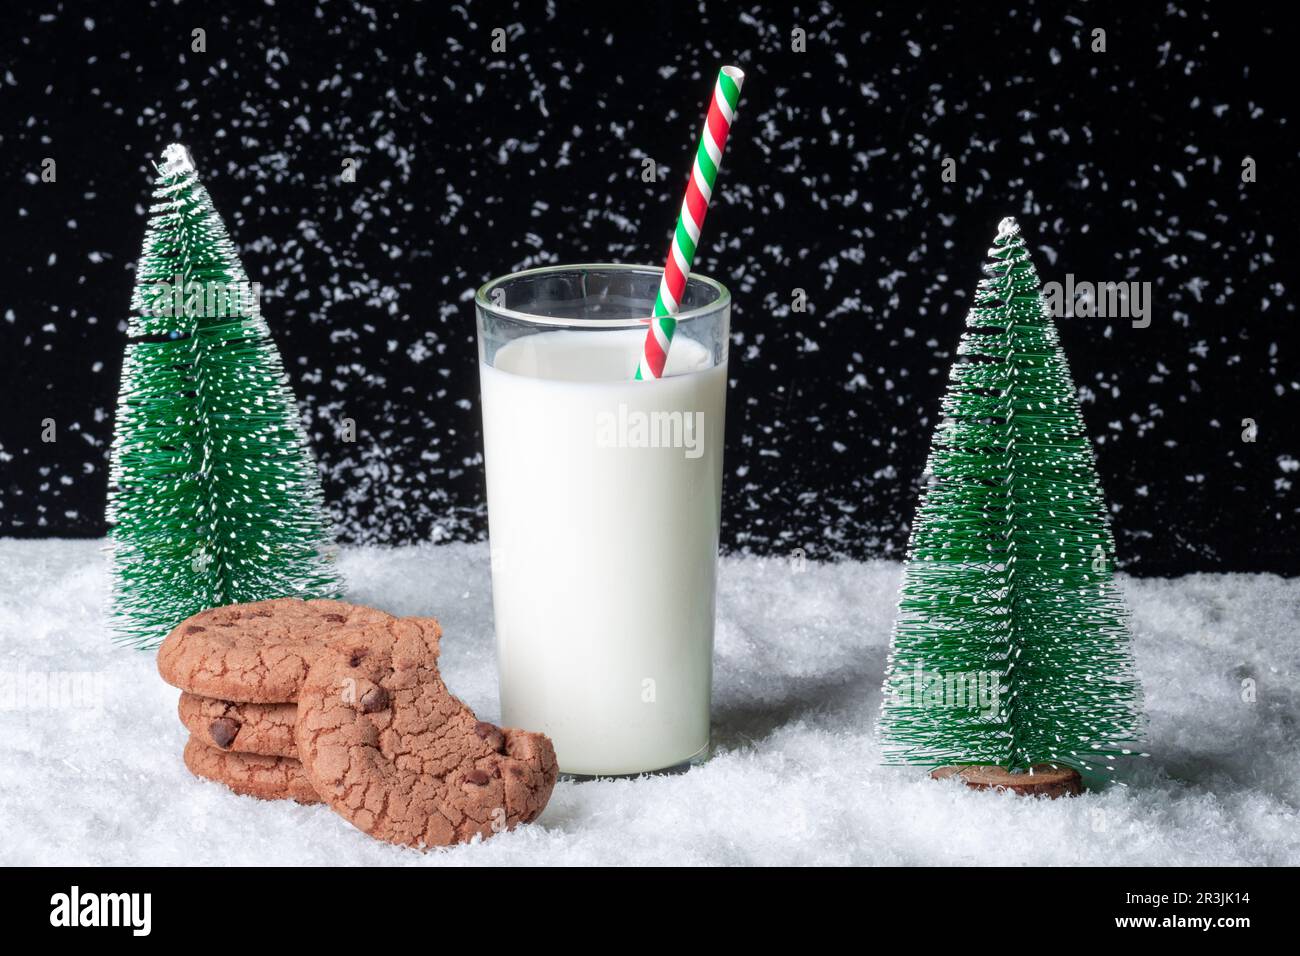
{"points": [[604, 498]]}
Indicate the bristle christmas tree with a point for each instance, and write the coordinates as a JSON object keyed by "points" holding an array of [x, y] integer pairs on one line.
{"points": [[1011, 647], [214, 496]]}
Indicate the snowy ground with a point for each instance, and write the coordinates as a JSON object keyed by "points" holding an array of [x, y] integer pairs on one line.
{"points": [[796, 777]]}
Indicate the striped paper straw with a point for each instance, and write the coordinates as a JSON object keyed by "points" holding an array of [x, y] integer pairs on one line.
{"points": [[704, 173]]}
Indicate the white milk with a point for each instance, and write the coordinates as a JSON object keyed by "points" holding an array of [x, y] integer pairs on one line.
{"points": [[603, 548]]}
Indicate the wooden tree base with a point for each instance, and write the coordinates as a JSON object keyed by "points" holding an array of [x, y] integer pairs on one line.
{"points": [[1043, 780]]}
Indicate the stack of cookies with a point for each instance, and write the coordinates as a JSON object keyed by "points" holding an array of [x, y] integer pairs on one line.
{"points": [[248, 747], [240, 669], [323, 701]]}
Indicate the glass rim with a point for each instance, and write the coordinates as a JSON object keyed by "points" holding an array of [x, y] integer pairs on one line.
{"points": [[481, 301]]}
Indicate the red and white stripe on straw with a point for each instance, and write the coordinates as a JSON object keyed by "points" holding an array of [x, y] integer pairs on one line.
{"points": [[690, 221]]}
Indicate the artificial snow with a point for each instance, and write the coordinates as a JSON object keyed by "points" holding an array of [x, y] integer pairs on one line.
{"points": [[90, 745]]}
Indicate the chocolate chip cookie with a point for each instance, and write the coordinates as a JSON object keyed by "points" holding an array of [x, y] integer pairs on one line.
{"points": [[239, 727], [253, 775], [258, 652], [388, 747]]}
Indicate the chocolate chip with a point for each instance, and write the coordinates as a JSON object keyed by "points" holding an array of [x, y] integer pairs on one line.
{"points": [[334, 618], [195, 629], [492, 735], [223, 731], [357, 656], [517, 772], [477, 777], [374, 699]]}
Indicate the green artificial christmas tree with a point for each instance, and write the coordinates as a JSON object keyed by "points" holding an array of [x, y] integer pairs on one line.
{"points": [[214, 496], [1011, 647]]}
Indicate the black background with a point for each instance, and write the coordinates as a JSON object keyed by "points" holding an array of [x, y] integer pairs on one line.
{"points": [[1121, 166]]}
